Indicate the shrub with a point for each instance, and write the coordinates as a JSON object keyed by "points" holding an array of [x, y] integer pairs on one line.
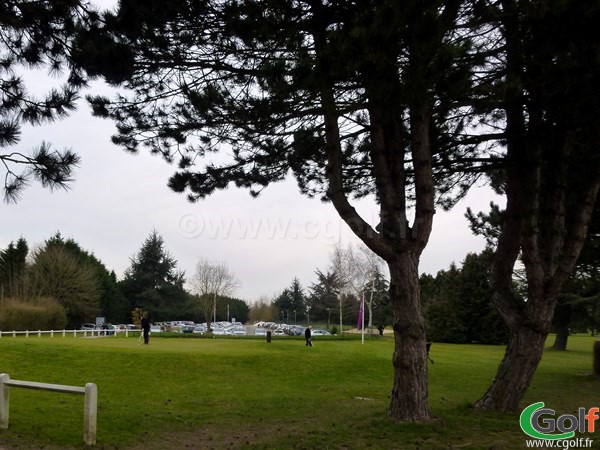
{"points": [[43, 313]]}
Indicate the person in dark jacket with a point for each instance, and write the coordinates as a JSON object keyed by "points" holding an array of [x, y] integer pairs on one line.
{"points": [[307, 335], [146, 328]]}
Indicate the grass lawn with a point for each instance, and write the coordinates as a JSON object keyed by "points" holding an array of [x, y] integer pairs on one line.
{"points": [[246, 393]]}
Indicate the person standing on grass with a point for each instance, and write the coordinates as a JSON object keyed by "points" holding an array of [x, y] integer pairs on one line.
{"points": [[307, 335], [146, 328]]}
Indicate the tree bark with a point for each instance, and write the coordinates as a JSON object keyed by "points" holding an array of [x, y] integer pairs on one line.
{"points": [[562, 336], [562, 320], [516, 370], [409, 393]]}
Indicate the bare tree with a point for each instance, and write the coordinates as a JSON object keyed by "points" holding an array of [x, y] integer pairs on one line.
{"points": [[370, 265], [339, 265], [355, 267], [210, 280], [264, 309]]}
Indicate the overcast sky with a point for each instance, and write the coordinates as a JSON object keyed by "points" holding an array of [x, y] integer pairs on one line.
{"points": [[117, 199]]}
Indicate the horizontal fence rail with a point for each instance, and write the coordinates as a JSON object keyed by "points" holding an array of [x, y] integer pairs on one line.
{"points": [[64, 333], [90, 404]]}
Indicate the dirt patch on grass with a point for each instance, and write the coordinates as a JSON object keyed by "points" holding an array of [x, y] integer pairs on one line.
{"points": [[214, 439]]}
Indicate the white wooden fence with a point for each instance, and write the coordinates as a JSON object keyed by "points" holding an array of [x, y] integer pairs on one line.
{"points": [[75, 333], [90, 406]]}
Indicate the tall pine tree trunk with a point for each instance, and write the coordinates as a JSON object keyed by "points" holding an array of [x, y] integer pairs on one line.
{"points": [[409, 393], [562, 336], [561, 321], [516, 370]]}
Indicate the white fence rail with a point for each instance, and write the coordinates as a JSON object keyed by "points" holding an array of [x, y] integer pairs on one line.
{"points": [[90, 406], [64, 333]]}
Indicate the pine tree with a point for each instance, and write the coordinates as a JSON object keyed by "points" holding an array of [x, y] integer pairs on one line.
{"points": [[548, 92], [324, 296], [12, 269], [35, 35], [153, 283], [292, 304]]}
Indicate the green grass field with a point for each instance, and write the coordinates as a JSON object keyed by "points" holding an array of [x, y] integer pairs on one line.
{"points": [[246, 393]]}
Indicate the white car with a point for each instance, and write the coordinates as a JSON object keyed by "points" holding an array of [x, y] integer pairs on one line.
{"points": [[219, 331], [238, 331], [320, 333], [155, 329]]}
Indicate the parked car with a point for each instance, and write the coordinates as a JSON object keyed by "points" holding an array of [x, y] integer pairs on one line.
{"points": [[88, 326], [108, 329], [155, 329], [219, 331], [199, 329], [318, 332], [296, 331], [260, 332], [238, 331]]}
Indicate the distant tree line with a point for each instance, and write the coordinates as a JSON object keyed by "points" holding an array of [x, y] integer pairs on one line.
{"points": [[54, 286], [59, 285]]}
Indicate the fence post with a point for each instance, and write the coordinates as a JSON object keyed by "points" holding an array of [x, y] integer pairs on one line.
{"points": [[4, 400], [90, 413], [597, 358]]}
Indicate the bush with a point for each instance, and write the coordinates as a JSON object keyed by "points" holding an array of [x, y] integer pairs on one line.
{"points": [[43, 313], [334, 330]]}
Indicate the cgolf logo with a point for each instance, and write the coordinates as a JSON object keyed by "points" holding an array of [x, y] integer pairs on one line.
{"points": [[540, 423]]}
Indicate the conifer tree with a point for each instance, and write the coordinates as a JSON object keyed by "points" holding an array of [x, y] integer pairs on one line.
{"points": [[35, 35], [12, 268], [152, 281]]}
